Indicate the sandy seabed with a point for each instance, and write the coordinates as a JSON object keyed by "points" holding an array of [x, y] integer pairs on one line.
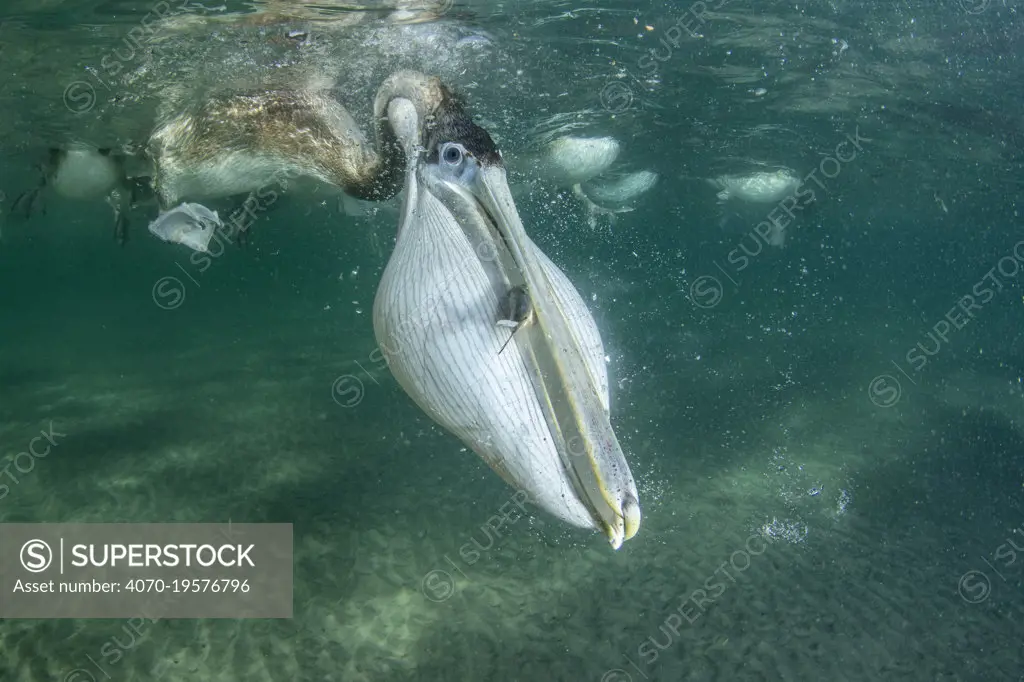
{"points": [[828, 541]]}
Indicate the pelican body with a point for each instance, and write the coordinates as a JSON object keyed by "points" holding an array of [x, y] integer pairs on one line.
{"points": [[234, 144]]}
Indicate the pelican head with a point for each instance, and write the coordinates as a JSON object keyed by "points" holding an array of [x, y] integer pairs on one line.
{"points": [[538, 411]]}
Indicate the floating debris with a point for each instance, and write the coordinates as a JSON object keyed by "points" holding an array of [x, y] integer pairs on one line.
{"points": [[192, 225]]}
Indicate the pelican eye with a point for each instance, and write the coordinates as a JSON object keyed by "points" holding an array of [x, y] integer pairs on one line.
{"points": [[456, 164], [452, 153]]}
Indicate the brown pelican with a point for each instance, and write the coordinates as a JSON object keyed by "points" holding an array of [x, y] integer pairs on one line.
{"points": [[537, 413]]}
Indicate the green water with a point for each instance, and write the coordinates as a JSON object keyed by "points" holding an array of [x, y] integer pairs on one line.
{"points": [[823, 499]]}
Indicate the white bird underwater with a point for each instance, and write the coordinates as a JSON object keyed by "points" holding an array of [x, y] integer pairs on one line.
{"points": [[583, 164], [83, 172], [750, 197], [760, 187], [611, 194]]}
